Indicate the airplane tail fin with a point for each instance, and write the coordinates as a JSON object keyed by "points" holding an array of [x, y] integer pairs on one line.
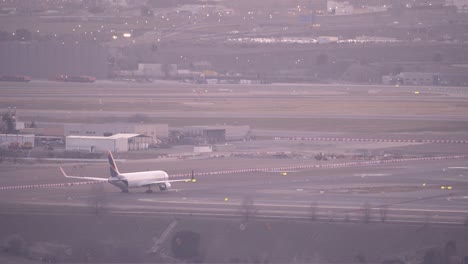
{"points": [[114, 171]]}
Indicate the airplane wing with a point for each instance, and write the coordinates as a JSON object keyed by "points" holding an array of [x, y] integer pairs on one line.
{"points": [[82, 178]]}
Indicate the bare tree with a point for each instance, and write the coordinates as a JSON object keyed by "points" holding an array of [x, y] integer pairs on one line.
{"points": [[360, 258], [15, 244], [383, 211], [346, 217], [366, 213], [427, 219], [450, 253], [433, 256], [97, 200], [330, 216], [313, 211], [248, 208]]}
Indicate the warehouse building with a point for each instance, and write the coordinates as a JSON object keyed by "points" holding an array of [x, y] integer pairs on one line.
{"points": [[155, 131], [418, 78], [114, 143], [216, 133]]}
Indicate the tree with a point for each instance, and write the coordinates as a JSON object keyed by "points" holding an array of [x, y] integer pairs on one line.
{"points": [[366, 213], [15, 245], [146, 11], [96, 9], [360, 258], [97, 200], [4, 35], [433, 256], [23, 34], [321, 59], [166, 69], [437, 57], [397, 69], [10, 124], [313, 211], [450, 252], [383, 210], [186, 245], [139, 118], [248, 208]]}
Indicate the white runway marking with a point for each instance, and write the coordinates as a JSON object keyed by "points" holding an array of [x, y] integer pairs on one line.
{"points": [[372, 175]]}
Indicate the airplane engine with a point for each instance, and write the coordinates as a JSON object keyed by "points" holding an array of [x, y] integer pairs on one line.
{"points": [[164, 186]]}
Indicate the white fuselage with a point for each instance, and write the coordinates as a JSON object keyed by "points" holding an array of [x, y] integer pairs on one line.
{"points": [[138, 179]]}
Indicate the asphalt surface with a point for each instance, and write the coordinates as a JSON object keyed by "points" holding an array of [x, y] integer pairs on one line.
{"points": [[411, 191], [162, 90], [401, 192]]}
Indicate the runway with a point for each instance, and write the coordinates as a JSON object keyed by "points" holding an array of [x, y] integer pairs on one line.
{"points": [[69, 101], [70, 114], [407, 192]]}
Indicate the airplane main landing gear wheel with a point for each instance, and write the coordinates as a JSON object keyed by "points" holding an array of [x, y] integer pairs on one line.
{"points": [[149, 191], [125, 191]]}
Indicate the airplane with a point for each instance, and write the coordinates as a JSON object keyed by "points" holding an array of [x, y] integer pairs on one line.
{"points": [[124, 181]]}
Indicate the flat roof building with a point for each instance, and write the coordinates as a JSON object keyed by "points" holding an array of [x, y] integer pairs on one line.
{"points": [[217, 133], [154, 131], [114, 143]]}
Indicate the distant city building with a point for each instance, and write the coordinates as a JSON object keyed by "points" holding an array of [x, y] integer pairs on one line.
{"points": [[461, 5], [418, 78], [340, 8], [426, 78], [201, 65]]}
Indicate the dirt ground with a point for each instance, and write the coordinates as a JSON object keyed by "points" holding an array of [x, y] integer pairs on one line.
{"points": [[252, 105], [125, 239]]}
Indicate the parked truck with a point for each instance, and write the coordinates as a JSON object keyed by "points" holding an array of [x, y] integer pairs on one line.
{"points": [[88, 79], [15, 78], [17, 145]]}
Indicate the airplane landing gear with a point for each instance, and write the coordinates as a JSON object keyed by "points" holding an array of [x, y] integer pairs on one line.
{"points": [[149, 190]]}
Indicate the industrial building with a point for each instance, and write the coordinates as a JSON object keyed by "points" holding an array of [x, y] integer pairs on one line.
{"points": [[216, 133], [114, 143], [154, 131], [156, 70], [418, 78]]}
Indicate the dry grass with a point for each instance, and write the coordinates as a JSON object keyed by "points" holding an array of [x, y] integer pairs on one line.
{"points": [[271, 106]]}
